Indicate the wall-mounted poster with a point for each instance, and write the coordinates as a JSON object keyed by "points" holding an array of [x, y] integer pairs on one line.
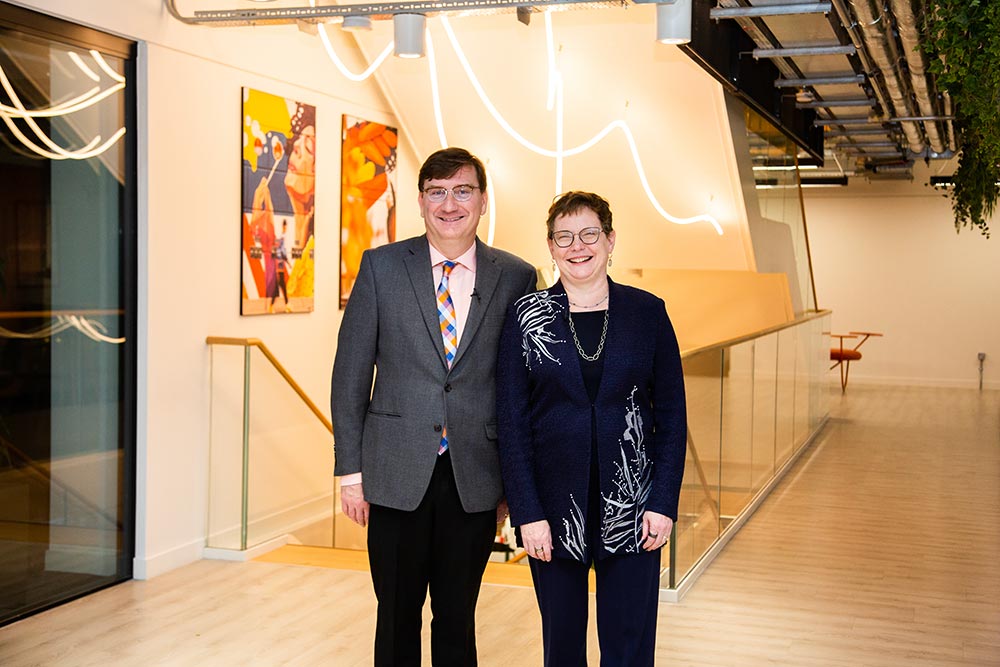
{"points": [[367, 194], [279, 186]]}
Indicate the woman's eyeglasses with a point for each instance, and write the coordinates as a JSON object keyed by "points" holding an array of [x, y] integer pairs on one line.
{"points": [[459, 193], [589, 236]]}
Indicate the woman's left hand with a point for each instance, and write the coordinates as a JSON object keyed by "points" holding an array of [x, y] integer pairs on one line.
{"points": [[655, 530]]}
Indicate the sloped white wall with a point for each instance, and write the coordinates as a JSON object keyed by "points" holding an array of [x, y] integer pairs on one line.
{"points": [[611, 69], [886, 258]]}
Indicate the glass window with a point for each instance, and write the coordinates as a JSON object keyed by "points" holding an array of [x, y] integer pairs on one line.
{"points": [[781, 224], [67, 277]]}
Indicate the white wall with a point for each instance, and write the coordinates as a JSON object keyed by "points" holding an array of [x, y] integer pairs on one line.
{"points": [[611, 69], [190, 235], [886, 258], [886, 263]]}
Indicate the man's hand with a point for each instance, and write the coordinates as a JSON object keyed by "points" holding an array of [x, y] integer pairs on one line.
{"points": [[502, 511], [352, 501]]}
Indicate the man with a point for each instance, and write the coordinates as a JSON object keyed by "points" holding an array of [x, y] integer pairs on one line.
{"points": [[417, 454]]}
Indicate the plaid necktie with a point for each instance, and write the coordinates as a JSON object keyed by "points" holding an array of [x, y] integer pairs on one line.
{"points": [[449, 330]]}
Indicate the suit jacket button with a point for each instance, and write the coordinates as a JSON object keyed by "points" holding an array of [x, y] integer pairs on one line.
{"points": [[437, 428], [447, 387]]}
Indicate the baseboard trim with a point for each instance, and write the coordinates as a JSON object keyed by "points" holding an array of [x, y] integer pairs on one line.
{"points": [[147, 568], [235, 555], [919, 382]]}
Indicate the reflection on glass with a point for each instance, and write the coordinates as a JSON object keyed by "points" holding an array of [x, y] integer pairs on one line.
{"points": [[737, 430], [784, 424], [698, 512], [745, 402], [64, 462], [765, 389], [776, 173]]}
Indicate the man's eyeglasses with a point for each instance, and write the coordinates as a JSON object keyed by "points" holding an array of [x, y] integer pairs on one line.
{"points": [[588, 235], [459, 192]]}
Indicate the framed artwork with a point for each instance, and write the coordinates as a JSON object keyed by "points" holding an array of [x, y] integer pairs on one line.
{"points": [[278, 193], [367, 194]]}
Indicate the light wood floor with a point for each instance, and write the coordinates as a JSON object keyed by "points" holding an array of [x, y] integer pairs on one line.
{"points": [[881, 547]]}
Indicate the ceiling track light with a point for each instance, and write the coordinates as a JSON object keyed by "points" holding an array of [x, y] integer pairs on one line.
{"points": [[673, 21], [408, 34], [356, 23]]}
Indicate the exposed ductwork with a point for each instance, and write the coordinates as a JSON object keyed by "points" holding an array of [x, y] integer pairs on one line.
{"points": [[880, 43], [911, 119], [906, 12]]}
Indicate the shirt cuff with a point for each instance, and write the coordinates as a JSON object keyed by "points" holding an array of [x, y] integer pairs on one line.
{"points": [[348, 480]]}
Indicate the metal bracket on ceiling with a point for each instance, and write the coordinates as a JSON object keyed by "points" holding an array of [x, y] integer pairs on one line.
{"points": [[374, 10], [718, 13], [820, 81]]}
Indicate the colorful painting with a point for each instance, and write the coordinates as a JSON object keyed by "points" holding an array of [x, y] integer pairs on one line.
{"points": [[279, 187], [367, 194]]}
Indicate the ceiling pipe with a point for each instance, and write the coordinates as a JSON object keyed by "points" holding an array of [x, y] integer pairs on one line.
{"points": [[854, 32], [948, 110], [878, 37], [906, 12]]}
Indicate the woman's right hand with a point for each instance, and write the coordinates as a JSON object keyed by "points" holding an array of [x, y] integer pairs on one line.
{"points": [[262, 197], [537, 540]]}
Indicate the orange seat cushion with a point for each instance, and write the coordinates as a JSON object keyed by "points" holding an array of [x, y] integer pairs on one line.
{"points": [[836, 354]]}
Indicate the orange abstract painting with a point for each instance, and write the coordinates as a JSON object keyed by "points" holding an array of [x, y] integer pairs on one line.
{"points": [[367, 194]]}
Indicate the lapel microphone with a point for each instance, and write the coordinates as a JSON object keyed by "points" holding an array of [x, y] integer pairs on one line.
{"points": [[475, 295]]}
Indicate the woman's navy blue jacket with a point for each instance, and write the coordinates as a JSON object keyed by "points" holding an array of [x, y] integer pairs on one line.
{"points": [[545, 420]]}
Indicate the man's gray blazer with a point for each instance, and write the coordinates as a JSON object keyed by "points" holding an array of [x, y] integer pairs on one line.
{"points": [[391, 433]]}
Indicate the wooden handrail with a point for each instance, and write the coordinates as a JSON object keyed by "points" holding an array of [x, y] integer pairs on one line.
{"points": [[801, 319], [256, 342]]}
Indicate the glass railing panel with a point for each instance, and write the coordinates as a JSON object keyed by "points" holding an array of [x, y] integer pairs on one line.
{"points": [[225, 476], [765, 386], [291, 483], [698, 512], [819, 386], [736, 472], [802, 368], [784, 432], [745, 404]]}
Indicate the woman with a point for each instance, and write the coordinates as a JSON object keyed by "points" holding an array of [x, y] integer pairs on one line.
{"points": [[592, 433], [300, 179]]}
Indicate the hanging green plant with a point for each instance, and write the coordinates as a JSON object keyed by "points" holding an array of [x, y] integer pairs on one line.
{"points": [[964, 40]]}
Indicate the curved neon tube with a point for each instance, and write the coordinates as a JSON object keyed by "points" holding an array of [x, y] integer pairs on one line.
{"points": [[99, 59], [578, 149], [91, 74], [88, 99], [435, 90], [340, 64]]}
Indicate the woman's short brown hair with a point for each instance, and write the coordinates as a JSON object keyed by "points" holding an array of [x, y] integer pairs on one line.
{"points": [[573, 201]]}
